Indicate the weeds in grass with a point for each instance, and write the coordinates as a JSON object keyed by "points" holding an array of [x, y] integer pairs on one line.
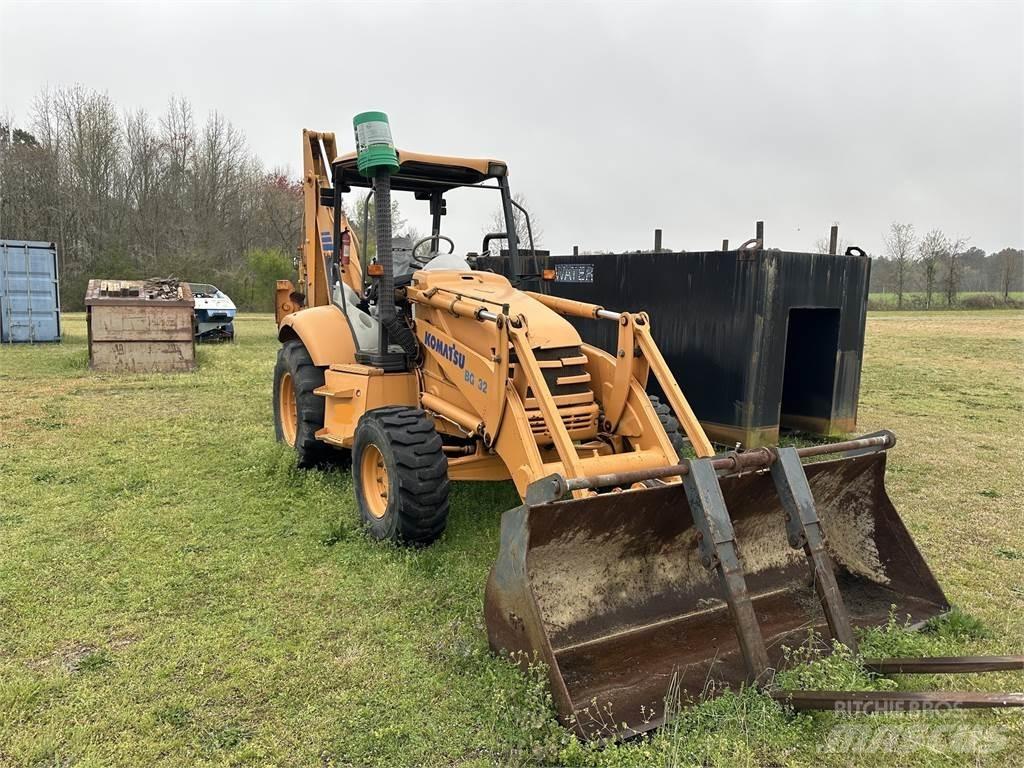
{"points": [[337, 531], [1010, 554], [225, 736], [817, 666], [94, 661], [743, 728], [942, 636], [174, 715], [522, 709], [957, 625]]}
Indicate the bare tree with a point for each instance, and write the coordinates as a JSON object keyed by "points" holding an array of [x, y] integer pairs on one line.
{"points": [[497, 224], [951, 281], [361, 207], [282, 210], [142, 187], [931, 249], [824, 244], [899, 246], [123, 195], [1010, 262]]}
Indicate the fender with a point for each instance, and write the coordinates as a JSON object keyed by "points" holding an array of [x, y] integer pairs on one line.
{"points": [[325, 333]]}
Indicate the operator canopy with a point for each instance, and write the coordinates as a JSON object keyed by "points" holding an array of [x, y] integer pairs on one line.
{"points": [[422, 173]]}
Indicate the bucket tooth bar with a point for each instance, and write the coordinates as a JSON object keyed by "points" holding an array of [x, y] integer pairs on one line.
{"points": [[803, 528], [716, 542]]}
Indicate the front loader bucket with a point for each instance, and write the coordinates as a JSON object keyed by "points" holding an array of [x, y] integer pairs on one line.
{"points": [[611, 593]]}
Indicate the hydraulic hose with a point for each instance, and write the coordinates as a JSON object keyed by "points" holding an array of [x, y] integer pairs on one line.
{"points": [[386, 283]]}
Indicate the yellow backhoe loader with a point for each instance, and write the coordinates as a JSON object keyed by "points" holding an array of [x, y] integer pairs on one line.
{"points": [[639, 561]]}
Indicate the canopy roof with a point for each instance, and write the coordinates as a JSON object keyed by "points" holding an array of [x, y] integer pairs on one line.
{"points": [[428, 173]]}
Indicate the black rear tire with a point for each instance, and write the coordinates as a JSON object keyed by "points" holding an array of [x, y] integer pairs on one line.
{"points": [[671, 425], [401, 475], [297, 425]]}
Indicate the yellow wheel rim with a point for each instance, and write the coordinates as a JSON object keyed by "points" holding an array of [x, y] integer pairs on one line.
{"points": [[374, 475], [288, 412]]}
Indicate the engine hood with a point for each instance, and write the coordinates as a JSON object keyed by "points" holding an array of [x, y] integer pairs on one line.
{"points": [[546, 327]]}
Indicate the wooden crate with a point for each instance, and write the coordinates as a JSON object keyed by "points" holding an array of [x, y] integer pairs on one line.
{"points": [[136, 330]]}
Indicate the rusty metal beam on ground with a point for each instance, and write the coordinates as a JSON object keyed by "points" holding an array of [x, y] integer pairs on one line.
{"points": [[896, 701], [945, 665]]}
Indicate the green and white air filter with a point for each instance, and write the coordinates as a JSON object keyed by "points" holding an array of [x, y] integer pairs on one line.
{"points": [[376, 159], [375, 149]]}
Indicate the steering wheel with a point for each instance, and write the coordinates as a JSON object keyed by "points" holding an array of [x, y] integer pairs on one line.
{"points": [[424, 261]]}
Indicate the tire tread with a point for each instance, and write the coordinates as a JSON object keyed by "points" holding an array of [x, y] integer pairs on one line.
{"points": [[422, 472], [671, 425]]}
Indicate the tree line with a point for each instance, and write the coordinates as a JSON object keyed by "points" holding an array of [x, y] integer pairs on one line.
{"points": [[124, 194], [130, 195], [934, 269]]}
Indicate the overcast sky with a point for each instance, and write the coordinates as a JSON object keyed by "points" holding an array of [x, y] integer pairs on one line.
{"points": [[614, 118]]}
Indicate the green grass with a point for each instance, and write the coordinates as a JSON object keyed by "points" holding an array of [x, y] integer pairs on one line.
{"points": [[174, 592], [914, 300]]}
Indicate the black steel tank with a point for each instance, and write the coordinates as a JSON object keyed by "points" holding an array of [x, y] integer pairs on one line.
{"points": [[758, 339]]}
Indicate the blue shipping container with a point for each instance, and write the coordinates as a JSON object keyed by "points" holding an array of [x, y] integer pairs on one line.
{"points": [[29, 296]]}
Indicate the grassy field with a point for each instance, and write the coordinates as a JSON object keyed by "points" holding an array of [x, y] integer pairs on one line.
{"points": [[173, 592], [916, 299]]}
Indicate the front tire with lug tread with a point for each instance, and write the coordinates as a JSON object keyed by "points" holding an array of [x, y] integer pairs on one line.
{"points": [[671, 425], [401, 475]]}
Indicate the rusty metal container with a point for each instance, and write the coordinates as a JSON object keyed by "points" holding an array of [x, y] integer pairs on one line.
{"points": [[139, 326]]}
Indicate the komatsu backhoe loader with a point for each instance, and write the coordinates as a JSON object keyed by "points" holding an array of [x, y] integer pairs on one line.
{"points": [[632, 566]]}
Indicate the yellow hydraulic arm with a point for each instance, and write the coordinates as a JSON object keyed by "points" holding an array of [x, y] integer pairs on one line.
{"points": [[635, 336], [317, 248]]}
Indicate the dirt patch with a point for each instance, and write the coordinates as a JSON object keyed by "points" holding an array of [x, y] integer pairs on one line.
{"points": [[74, 656]]}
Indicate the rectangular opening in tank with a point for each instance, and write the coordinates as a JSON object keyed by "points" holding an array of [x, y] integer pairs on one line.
{"points": [[808, 384]]}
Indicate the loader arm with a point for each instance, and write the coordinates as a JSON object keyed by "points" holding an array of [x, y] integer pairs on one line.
{"points": [[635, 343], [475, 329]]}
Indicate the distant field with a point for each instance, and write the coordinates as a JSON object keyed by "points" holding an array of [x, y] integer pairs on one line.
{"points": [[916, 299], [173, 592]]}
